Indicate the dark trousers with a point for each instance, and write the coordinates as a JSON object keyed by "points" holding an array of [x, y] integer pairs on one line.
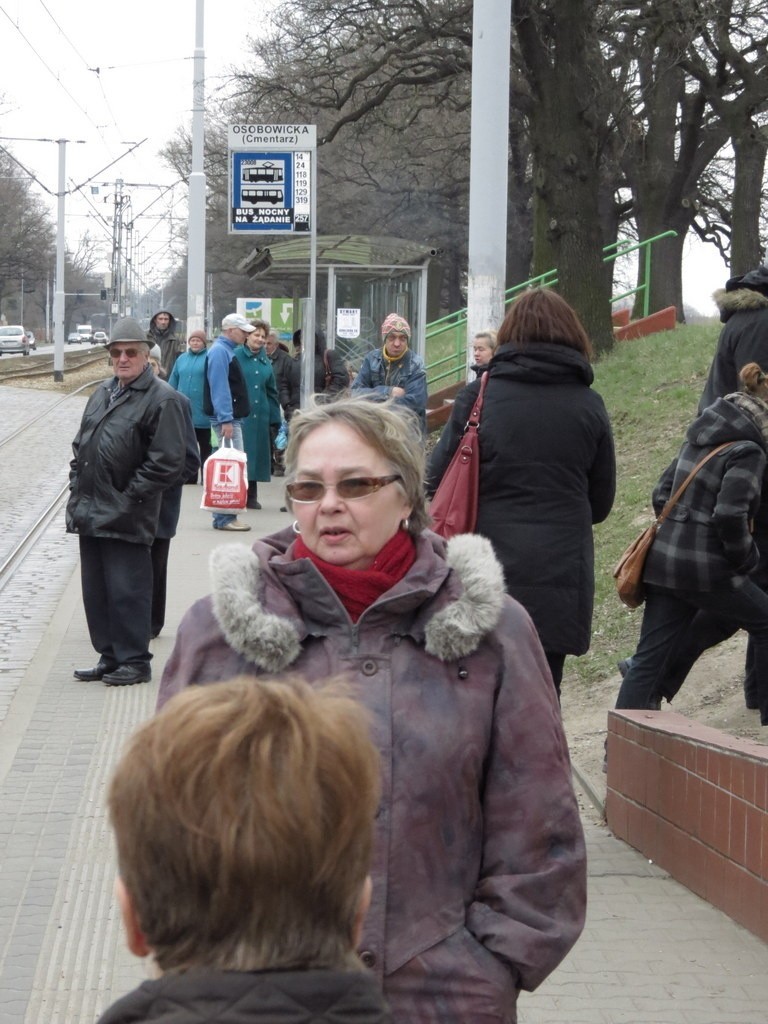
{"points": [[117, 595], [159, 552], [707, 630], [668, 615], [556, 663], [203, 435]]}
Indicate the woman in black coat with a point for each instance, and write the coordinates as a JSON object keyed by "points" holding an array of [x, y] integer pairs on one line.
{"points": [[547, 467]]}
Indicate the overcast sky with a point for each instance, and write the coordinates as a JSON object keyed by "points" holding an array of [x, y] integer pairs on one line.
{"points": [[113, 75]]}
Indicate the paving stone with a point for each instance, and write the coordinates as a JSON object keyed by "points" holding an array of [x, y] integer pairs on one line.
{"points": [[651, 953]]}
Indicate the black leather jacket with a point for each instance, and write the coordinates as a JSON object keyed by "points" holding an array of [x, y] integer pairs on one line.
{"points": [[125, 456]]}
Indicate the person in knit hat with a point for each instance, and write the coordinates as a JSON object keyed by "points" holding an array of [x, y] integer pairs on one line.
{"points": [[188, 377], [394, 371]]}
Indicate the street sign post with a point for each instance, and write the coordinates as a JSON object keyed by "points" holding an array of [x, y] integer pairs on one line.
{"points": [[270, 180], [272, 190]]}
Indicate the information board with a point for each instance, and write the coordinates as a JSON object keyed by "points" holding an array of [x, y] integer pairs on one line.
{"points": [[270, 178]]}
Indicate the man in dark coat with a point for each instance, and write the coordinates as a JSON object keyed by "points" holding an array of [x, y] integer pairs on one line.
{"points": [[243, 816], [129, 449], [162, 332]]}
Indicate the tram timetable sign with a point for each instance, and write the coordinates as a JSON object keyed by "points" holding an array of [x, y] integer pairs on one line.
{"points": [[270, 177]]}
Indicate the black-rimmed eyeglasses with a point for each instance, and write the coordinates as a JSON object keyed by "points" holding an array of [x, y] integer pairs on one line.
{"points": [[354, 487]]}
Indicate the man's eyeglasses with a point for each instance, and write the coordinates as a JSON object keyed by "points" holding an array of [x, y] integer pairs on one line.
{"points": [[308, 491], [115, 353]]}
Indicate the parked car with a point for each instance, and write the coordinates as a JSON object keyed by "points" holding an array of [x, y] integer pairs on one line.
{"points": [[14, 339], [31, 340], [73, 338], [100, 337]]}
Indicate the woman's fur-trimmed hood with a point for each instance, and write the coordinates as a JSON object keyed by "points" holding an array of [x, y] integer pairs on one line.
{"points": [[742, 300], [272, 639]]}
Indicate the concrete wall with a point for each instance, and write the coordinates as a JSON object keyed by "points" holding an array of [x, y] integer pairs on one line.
{"points": [[693, 800]]}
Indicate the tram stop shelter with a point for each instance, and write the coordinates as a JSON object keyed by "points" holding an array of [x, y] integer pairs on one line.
{"points": [[365, 274]]}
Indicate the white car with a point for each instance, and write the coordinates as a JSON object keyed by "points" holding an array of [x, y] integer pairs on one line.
{"points": [[100, 337], [14, 339]]}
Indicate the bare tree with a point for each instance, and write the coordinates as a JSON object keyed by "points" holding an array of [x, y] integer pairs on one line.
{"points": [[564, 69], [26, 238]]}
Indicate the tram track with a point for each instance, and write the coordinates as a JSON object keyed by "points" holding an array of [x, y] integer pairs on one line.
{"points": [[43, 368], [29, 424], [15, 558], [35, 457]]}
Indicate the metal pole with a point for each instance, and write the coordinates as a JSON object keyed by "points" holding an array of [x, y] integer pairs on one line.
{"points": [[488, 167], [196, 231], [308, 312], [58, 296]]}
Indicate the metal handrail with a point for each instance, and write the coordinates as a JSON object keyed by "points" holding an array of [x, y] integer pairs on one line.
{"points": [[456, 322]]}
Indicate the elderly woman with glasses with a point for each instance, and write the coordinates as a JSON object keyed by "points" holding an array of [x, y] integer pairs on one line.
{"points": [[479, 863]]}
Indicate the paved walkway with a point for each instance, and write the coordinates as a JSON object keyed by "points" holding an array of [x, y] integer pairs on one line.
{"points": [[652, 952]]}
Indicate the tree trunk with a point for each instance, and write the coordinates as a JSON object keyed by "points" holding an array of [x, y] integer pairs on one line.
{"points": [[544, 255], [665, 285], [566, 152], [750, 149]]}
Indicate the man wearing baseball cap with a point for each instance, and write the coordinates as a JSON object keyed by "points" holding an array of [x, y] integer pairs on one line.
{"points": [[131, 447], [221, 381]]}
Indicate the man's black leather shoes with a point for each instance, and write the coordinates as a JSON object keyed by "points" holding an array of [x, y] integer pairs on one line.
{"points": [[91, 675], [127, 675]]}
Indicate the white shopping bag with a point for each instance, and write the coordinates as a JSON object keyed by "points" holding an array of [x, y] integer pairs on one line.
{"points": [[225, 484]]}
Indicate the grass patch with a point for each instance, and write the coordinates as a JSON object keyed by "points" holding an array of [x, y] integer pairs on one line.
{"points": [[651, 388]]}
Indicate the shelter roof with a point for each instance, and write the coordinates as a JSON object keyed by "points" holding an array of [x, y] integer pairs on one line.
{"points": [[291, 255]]}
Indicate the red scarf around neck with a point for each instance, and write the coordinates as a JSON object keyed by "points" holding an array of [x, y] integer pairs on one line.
{"points": [[359, 588]]}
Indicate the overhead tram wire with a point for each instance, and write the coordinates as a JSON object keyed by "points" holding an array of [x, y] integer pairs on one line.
{"points": [[87, 67], [50, 71], [14, 138]]}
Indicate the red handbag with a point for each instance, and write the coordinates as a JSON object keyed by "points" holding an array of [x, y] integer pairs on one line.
{"points": [[454, 505]]}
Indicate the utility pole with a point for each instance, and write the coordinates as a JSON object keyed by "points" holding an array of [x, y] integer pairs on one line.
{"points": [[488, 167], [58, 294], [196, 231]]}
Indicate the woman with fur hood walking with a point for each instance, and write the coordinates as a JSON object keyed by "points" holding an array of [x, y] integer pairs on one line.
{"points": [[479, 861], [743, 305]]}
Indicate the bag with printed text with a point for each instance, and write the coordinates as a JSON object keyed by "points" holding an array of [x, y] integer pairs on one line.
{"points": [[225, 484]]}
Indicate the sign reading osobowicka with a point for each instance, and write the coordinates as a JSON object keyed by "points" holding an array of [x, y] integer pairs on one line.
{"points": [[270, 179]]}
